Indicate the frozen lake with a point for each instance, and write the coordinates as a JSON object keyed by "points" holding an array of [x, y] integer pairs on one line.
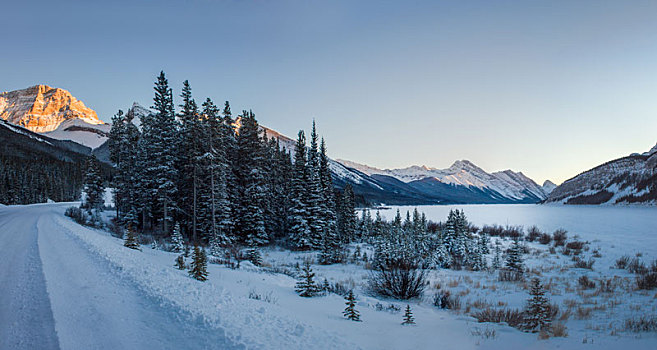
{"points": [[617, 230]]}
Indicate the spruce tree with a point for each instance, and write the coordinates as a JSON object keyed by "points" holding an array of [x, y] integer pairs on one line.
{"points": [[130, 239], [252, 182], [306, 286], [177, 239], [408, 316], [314, 200], [348, 216], [537, 313], [198, 268], [514, 261], [298, 220], [350, 311], [180, 262], [93, 186], [497, 259]]}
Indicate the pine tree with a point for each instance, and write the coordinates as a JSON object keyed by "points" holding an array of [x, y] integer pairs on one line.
{"points": [[514, 261], [408, 316], [130, 240], [93, 186], [253, 255], [350, 311], [198, 268], [306, 286], [252, 183], [497, 259], [177, 239], [180, 262], [537, 313], [348, 219], [314, 200], [299, 229]]}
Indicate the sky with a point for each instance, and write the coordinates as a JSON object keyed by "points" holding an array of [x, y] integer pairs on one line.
{"points": [[549, 88]]}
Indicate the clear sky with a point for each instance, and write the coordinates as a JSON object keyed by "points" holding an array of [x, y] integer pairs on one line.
{"points": [[549, 88]]}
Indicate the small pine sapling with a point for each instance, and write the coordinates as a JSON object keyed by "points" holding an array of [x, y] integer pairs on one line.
{"points": [[306, 286], [130, 240], [350, 311], [177, 239], [253, 255], [408, 316], [537, 314], [198, 268], [180, 262]]}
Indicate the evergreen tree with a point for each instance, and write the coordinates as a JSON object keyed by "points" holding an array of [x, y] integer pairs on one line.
{"points": [[348, 220], [180, 262], [306, 286], [93, 186], [299, 229], [229, 142], [130, 239], [408, 316], [253, 255], [314, 201], [198, 268], [252, 182], [177, 239], [514, 261], [350, 311], [537, 313], [497, 259]]}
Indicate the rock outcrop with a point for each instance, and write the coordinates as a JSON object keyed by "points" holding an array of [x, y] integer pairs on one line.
{"points": [[41, 108]]}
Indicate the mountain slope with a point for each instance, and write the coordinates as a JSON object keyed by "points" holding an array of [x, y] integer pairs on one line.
{"points": [[631, 179], [463, 182]]}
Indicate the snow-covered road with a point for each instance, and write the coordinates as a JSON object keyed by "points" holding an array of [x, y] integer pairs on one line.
{"points": [[58, 294]]}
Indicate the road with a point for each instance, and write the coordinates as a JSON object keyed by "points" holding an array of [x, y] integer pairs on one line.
{"points": [[58, 295]]}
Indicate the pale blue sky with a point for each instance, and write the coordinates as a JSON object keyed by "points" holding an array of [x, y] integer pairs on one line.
{"points": [[550, 88]]}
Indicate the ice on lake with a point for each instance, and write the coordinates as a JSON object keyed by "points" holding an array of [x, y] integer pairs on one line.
{"points": [[617, 230]]}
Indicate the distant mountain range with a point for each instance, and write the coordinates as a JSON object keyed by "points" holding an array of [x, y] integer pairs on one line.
{"points": [[631, 179], [51, 120]]}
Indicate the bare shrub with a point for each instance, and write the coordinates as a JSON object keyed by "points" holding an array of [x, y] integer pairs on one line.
{"points": [[545, 238], [647, 281], [576, 246], [585, 282], [398, 282], [622, 262], [583, 313], [510, 276], [559, 237], [641, 324], [512, 317], [637, 266], [533, 234], [559, 329], [583, 264], [445, 300]]}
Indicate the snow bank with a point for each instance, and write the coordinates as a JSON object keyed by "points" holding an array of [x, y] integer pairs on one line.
{"points": [[257, 326]]}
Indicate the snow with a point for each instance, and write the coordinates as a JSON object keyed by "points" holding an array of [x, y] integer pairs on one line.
{"points": [[87, 138], [105, 296], [508, 184], [22, 131]]}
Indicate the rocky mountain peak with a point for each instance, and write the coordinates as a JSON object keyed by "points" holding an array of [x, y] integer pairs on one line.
{"points": [[41, 108]]}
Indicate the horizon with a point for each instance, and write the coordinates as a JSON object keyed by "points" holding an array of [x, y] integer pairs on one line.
{"points": [[568, 84]]}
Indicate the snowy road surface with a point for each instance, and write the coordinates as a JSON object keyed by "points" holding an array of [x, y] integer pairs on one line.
{"points": [[58, 294]]}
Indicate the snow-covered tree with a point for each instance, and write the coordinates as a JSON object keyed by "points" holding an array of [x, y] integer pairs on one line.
{"points": [[537, 313], [180, 262], [350, 311], [177, 239], [93, 186], [198, 268], [497, 258], [299, 229], [306, 286], [408, 316], [514, 260], [130, 239]]}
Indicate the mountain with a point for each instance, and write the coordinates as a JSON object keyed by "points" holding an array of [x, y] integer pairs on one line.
{"points": [[463, 182], [548, 186], [41, 108], [631, 179]]}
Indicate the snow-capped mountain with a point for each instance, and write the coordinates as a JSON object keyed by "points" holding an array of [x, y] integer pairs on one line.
{"points": [[42, 108], [548, 186], [462, 182], [631, 179]]}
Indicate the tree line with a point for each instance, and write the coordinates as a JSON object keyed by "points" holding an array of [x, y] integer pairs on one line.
{"points": [[223, 181]]}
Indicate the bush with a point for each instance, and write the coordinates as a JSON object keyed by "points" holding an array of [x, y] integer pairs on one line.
{"points": [[512, 317], [622, 262], [585, 283], [583, 264], [398, 282], [642, 324], [559, 237], [558, 329], [575, 246], [533, 234], [637, 266], [445, 300], [545, 239], [647, 281], [76, 214], [506, 275]]}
